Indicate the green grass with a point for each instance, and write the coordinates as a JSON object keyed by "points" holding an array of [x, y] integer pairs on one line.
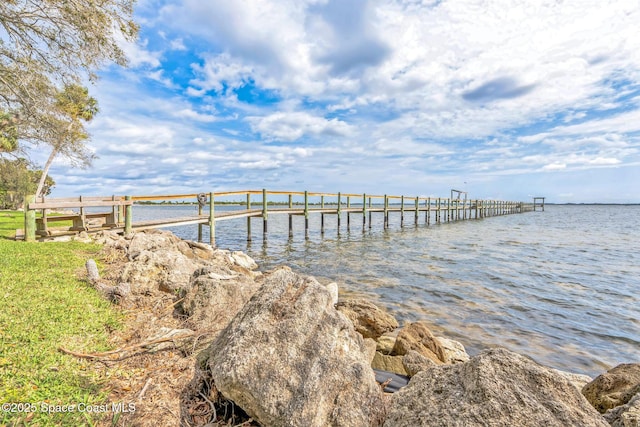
{"points": [[45, 306]]}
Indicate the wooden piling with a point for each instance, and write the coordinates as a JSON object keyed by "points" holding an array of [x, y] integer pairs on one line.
{"points": [[322, 215], [29, 219], [401, 211], [306, 214], [290, 216], [364, 211], [339, 212], [212, 221], [199, 225], [264, 213], [248, 218], [128, 216], [348, 213], [386, 212]]}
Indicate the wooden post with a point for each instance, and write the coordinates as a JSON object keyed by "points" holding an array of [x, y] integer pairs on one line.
{"points": [[128, 220], [290, 217], [29, 219], [264, 213], [427, 214], [114, 211], [248, 218], [386, 212], [415, 219], [364, 210], [322, 215], [212, 221], [199, 225], [369, 211], [348, 213], [82, 217], [306, 214], [339, 212], [401, 211]]}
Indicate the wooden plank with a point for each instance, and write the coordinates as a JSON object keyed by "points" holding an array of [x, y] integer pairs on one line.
{"points": [[84, 204]]}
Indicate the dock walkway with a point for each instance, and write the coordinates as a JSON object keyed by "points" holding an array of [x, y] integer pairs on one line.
{"points": [[120, 216]]}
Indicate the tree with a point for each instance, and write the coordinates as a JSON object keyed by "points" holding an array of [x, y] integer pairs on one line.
{"points": [[17, 179], [8, 132], [73, 105], [47, 46]]}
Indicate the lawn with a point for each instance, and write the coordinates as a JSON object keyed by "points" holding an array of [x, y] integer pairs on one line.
{"points": [[47, 305]]}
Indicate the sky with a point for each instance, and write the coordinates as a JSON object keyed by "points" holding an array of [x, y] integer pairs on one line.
{"points": [[504, 99]]}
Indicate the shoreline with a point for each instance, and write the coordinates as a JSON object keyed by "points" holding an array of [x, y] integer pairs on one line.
{"points": [[240, 272]]}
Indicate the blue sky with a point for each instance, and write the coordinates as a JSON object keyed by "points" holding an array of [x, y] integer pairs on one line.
{"points": [[504, 99]]}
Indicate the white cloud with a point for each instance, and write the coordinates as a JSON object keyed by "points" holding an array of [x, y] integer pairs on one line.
{"points": [[293, 126]]}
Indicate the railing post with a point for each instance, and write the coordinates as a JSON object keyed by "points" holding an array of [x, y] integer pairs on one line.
{"points": [[306, 214], [386, 211], [29, 219], [199, 225], [290, 216], [249, 217], [264, 212], [322, 215], [364, 211], [212, 220], [128, 215], [339, 212], [427, 214]]}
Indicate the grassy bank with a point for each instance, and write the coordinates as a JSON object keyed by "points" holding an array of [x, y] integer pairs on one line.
{"points": [[45, 305]]}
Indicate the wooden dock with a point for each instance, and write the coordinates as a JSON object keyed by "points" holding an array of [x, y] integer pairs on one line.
{"points": [[355, 208]]}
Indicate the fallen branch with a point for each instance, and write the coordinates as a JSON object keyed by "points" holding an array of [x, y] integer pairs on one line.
{"points": [[123, 352]]}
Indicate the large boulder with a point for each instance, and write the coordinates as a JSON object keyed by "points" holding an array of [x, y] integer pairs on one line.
{"points": [[158, 262], [495, 388], [613, 388], [417, 336], [215, 296], [627, 415], [368, 319], [289, 358]]}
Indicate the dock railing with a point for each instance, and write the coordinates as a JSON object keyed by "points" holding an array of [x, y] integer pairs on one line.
{"points": [[262, 204]]}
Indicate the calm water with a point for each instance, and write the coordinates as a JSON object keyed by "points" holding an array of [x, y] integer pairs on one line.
{"points": [[560, 286]]}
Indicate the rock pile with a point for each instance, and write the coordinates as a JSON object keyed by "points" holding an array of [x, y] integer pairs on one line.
{"points": [[287, 351]]}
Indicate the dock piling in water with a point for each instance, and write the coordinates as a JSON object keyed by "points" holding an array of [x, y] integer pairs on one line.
{"points": [[449, 207]]}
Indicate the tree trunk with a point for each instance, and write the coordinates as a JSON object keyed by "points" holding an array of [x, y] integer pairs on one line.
{"points": [[45, 172]]}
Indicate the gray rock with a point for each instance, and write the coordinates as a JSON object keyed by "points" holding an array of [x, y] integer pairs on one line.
{"points": [[289, 358], [627, 415], [370, 346], [454, 351], [578, 380], [215, 296], [368, 319], [495, 388], [415, 362], [613, 388], [333, 290], [243, 260]]}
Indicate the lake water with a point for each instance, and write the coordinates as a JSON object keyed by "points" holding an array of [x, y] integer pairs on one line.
{"points": [[560, 286]]}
